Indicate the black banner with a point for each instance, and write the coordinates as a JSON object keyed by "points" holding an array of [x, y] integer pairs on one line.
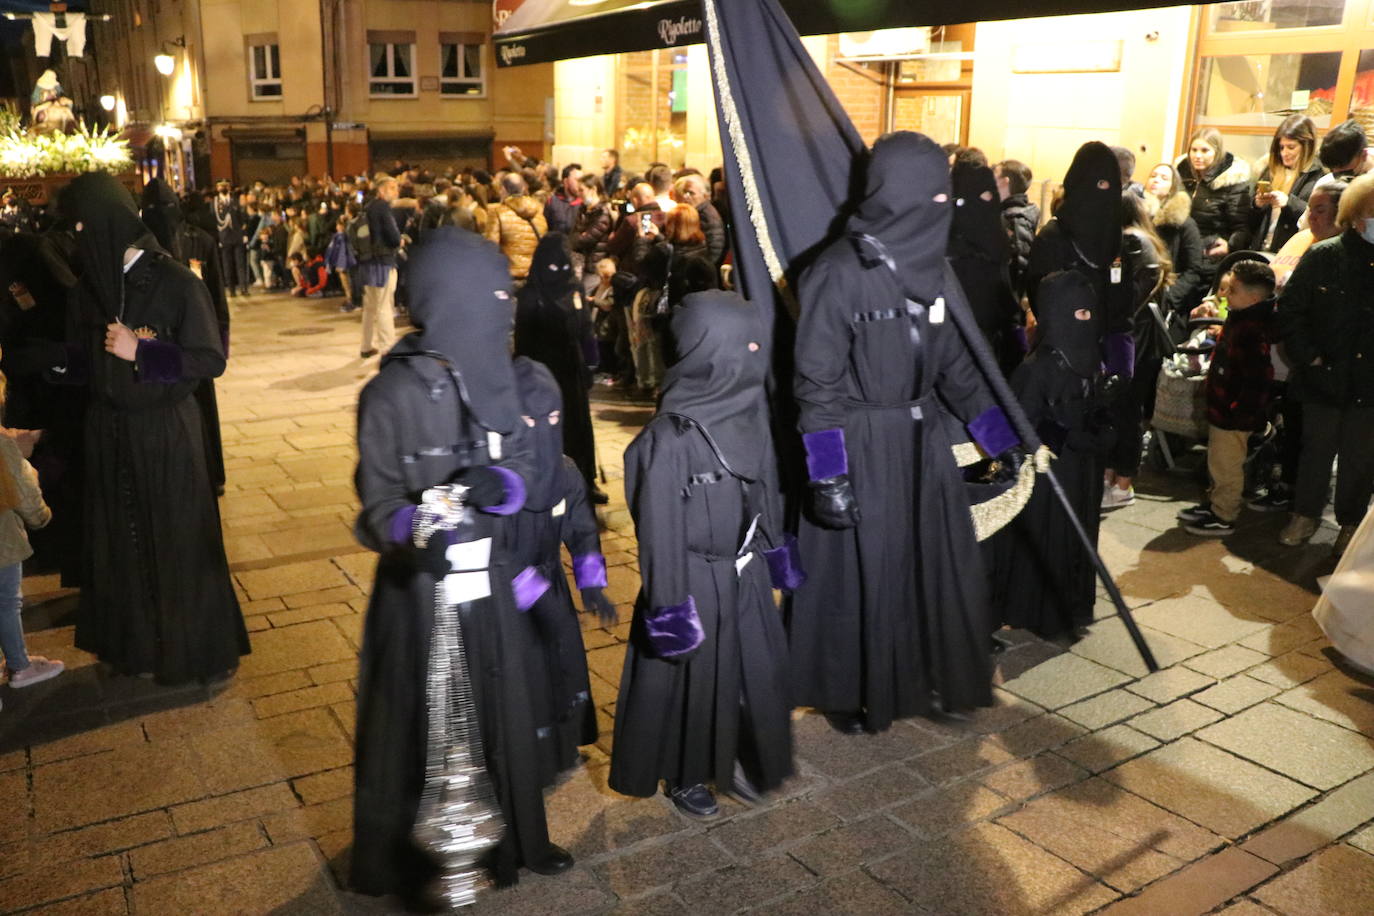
{"points": [[540, 31]]}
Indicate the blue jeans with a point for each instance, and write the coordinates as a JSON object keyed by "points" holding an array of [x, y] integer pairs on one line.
{"points": [[11, 627]]}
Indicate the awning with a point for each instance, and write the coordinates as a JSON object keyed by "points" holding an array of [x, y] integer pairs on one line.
{"points": [[539, 31]]}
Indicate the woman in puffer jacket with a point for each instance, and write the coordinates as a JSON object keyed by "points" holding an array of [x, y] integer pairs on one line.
{"points": [[1219, 185], [1171, 210]]}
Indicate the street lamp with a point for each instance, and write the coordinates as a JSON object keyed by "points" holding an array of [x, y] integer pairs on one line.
{"points": [[164, 62], [107, 102]]}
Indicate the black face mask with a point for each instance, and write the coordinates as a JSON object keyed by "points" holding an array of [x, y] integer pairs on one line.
{"points": [[551, 273], [459, 289], [543, 405], [1091, 210], [718, 377], [977, 230], [109, 226], [1067, 321], [907, 207]]}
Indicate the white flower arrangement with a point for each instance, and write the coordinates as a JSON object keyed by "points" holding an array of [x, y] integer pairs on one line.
{"points": [[30, 155]]}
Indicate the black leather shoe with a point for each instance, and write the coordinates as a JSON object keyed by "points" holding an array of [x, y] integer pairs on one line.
{"points": [[598, 496], [694, 801], [846, 723], [556, 861]]}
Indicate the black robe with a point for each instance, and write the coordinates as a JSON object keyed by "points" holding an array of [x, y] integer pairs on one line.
{"points": [[556, 658], [410, 416], [157, 596], [896, 609], [688, 722]]}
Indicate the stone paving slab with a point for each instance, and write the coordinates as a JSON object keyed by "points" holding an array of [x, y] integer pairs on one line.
{"points": [[125, 797]]}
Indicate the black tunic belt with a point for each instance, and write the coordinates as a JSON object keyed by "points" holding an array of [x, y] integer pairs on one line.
{"points": [[916, 407]]}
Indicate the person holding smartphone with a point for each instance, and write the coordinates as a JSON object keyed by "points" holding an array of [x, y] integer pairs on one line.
{"points": [[1281, 192]]}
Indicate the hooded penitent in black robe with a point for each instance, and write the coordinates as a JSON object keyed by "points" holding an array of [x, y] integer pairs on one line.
{"points": [[981, 258], [30, 339], [157, 597], [549, 327], [189, 243], [705, 679], [556, 512], [1077, 262], [895, 610], [1043, 580], [444, 407]]}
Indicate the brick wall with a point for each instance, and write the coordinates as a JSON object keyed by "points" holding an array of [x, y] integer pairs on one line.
{"points": [[863, 98]]}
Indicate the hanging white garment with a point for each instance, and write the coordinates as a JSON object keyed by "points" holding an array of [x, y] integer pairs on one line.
{"points": [[45, 28], [1345, 611]]}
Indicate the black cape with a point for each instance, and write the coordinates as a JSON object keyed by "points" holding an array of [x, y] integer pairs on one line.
{"points": [[417, 430], [549, 329], [689, 721]]}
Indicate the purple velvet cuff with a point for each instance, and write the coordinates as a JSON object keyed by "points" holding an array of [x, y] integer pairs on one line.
{"points": [[401, 524], [991, 431], [158, 361], [675, 630], [1022, 342], [515, 492], [529, 586], [825, 455], [784, 565], [589, 570], [1120, 354]]}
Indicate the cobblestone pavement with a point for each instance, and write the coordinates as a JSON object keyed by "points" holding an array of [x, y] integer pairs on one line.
{"points": [[1237, 780]]}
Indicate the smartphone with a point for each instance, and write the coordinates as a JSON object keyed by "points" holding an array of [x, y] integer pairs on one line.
{"points": [[645, 221], [360, 197], [1263, 186]]}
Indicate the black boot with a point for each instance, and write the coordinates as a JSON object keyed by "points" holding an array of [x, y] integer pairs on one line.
{"points": [[846, 723], [556, 861]]}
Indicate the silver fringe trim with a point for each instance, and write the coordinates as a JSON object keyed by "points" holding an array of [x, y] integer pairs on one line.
{"points": [[459, 818]]}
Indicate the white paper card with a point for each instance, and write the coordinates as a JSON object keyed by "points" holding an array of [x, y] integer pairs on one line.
{"points": [[461, 587], [470, 555], [493, 445], [743, 562], [560, 508], [937, 312]]}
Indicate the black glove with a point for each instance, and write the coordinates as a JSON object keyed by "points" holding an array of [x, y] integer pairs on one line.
{"points": [[832, 502], [999, 470], [594, 601], [433, 557], [485, 486]]}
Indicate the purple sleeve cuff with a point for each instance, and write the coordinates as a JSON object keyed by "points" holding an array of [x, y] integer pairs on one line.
{"points": [[825, 454], [158, 361], [784, 565], [515, 492], [1120, 354], [674, 630], [1022, 342], [401, 524], [589, 570], [991, 431], [529, 586]]}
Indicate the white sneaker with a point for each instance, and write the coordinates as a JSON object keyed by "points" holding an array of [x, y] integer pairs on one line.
{"points": [[1113, 497], [40, 669]]}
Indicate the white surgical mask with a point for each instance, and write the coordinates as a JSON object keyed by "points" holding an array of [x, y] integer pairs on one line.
{"points": [[1368, 231]]}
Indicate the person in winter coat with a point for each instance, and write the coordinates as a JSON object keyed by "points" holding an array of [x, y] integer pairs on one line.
{"points": [[691, 190], [1290, 173], [516, 225], [1171, 210], [1219, 185], [588, 239], [565, 204], [338, 257], [1326, 323], [1020, 217]]}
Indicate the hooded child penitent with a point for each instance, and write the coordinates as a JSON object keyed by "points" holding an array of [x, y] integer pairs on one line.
{"points": [[704, 693], [444, 409], [894, 618]]}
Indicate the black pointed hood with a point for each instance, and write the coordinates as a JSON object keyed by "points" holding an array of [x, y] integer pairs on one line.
{"points": [[459, 295], [109, 222], [906, 206], [540, 397], [1064, 295], [551, 271], [1091, 210], [161, 213], [976, 229], [718, 377]]}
